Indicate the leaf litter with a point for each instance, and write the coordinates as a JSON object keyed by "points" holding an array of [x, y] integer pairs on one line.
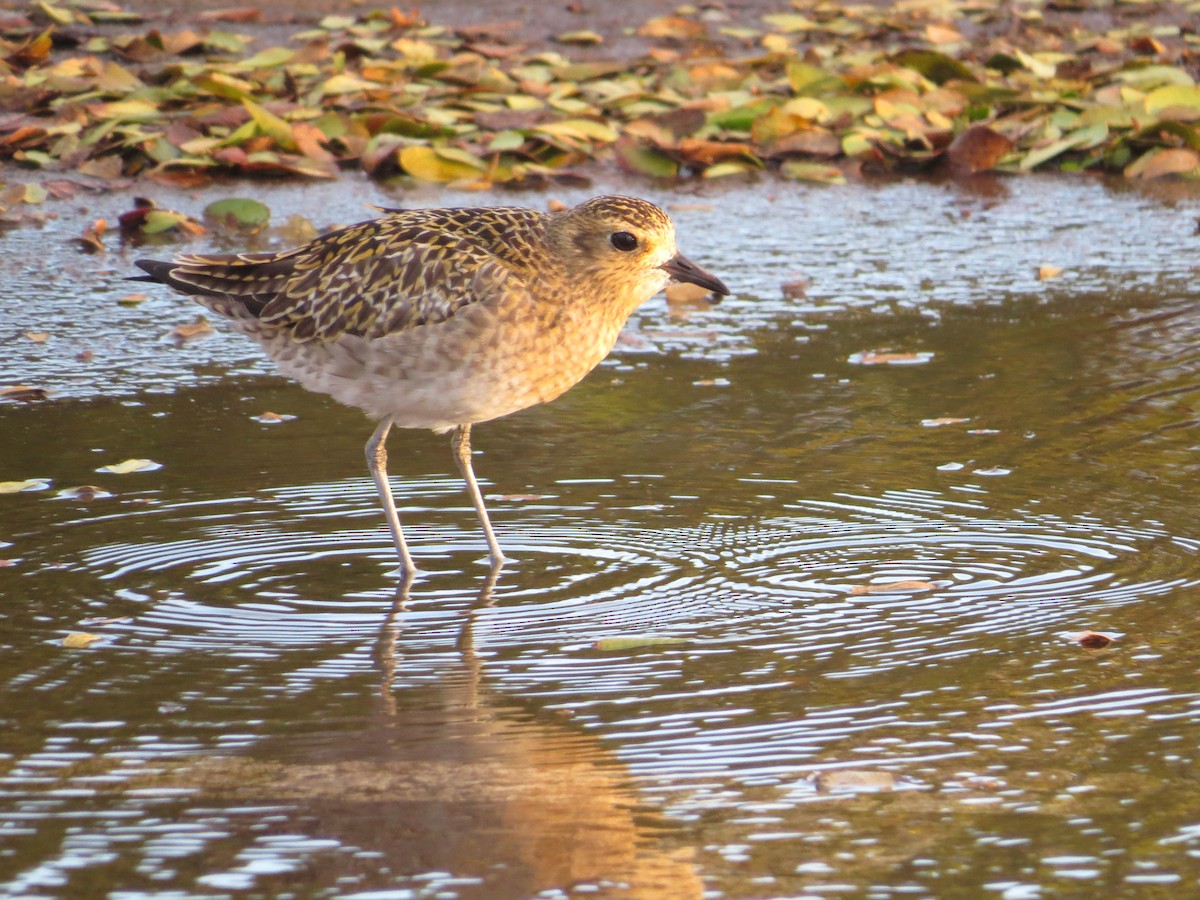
{"points": [[816, 93]]}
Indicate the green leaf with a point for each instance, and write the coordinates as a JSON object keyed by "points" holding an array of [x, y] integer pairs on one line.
{"points": [[790, 23], [270, 58], [1174, 96], [1081, 138], [238, 214], [638, 157], [802, 170], [159, 221], [937, 67], [636, 642], [271, 125]]}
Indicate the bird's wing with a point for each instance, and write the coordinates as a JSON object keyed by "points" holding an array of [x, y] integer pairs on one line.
{"points": [[371, 279]]}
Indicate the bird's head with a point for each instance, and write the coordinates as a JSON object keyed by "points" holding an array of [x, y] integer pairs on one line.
{"points": [[628, 245]]}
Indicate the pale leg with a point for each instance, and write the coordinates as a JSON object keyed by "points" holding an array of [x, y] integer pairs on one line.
{"points": [[377, 462], [460, 443]]}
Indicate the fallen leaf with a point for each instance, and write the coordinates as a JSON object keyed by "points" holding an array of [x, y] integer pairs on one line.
{"points": [[133, 299], [794, 290], [1093, 640], [1165, 161], [129, 466], [191, 331], [977, 149], [38, 337], [946, 420], [240, 214], [585, 38], [239, 14], [675, 28], [78, 640], [92, 239], [812, 171], [854, 781], [23, 393], [636, 642], [1046, 273], [882, 358], [85, 493], [906, 587], [941, 34], [270, 418], [20, 487]]}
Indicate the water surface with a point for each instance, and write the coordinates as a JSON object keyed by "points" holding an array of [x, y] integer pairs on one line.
{"points": [[265, 715]]}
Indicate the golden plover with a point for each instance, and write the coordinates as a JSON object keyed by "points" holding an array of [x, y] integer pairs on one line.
{"points": [[442, 318]]}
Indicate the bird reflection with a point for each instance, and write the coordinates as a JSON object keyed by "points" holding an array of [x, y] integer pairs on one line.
{"points": [[451, 776]]}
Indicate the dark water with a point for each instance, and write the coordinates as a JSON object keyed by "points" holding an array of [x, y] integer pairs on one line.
{"points": [[264, 717]]}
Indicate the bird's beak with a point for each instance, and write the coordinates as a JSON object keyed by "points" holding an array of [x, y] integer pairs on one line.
{"points": [[681, 268]]}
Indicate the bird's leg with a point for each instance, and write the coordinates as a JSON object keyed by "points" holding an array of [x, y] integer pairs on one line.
{"points": [[376, 450], [460, 443]]}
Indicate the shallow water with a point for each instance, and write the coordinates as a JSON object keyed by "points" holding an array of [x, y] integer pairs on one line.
{"points": [[264, 716]]}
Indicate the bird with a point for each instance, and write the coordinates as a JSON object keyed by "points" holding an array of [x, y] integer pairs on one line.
{"points": [[441, 319]]}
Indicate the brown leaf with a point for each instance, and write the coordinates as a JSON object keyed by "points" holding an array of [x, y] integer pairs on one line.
{"points": [[1093, 640], [1047, 272], [23, 393], [238, 14], [192, 330], [84, 493], [883, 358], [310, 141], [941, 34], [706, 153], [674, 28], [806, 142], [849, 780], [92, 239], [905, 587], [795, 290], [977, 149], [1171, 161]]}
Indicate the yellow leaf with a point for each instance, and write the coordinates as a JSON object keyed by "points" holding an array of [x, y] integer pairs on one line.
{"points": [[580, 37], [428, 164], [131, 465], [19, 487], [77, 640], [346, 84], [1184, 98], [271, 125], [581, 129], [126, 110]]}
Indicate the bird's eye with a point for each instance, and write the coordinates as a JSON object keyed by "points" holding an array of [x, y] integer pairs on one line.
{"points": [[623, 240]]}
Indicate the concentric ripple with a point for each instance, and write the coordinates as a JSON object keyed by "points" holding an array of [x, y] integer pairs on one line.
{"points": [[903, 577]]}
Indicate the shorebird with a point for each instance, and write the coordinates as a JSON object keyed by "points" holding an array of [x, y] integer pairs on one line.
{"points": [[443, 318]]}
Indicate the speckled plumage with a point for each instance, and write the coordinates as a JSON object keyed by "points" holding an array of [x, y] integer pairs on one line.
{"points": [[441, 318]]}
